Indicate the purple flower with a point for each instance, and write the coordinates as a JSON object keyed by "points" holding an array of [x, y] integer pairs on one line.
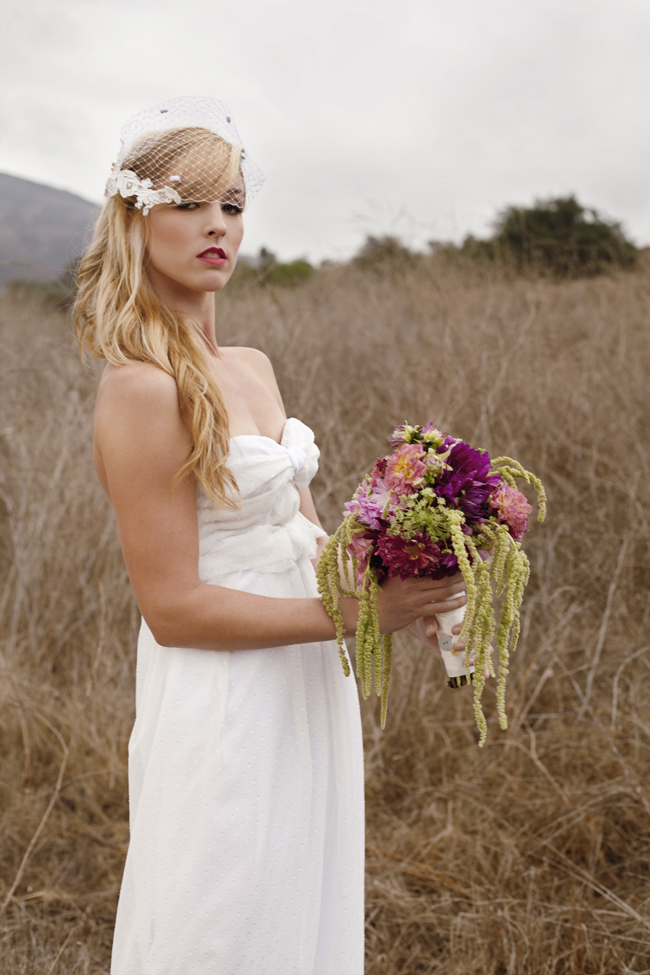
{"points": [[448, 566], [372, 506], [469, 484]]}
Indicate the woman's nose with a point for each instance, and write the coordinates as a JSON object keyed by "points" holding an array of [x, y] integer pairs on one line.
{"points": [[215, 224]]}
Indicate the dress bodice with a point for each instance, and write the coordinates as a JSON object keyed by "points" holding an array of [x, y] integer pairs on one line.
{"points": [[266, 531]]}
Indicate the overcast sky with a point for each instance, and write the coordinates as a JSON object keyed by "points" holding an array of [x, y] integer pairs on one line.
{"points": [[420, 118]]}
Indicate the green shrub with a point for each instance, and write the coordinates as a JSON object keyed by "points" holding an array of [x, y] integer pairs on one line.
{"points": [[295, 272], [384, 253], [559, 237], [269, 271], [49, 293], [57, 293]]}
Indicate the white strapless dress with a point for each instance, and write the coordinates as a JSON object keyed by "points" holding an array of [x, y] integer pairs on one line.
{"points": [[246, 767]]}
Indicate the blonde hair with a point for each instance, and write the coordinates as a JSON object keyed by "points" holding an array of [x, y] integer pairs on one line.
{"points": [[121, 318]]}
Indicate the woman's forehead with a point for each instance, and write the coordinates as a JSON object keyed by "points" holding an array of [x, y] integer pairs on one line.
{"points": [[206, 175]]}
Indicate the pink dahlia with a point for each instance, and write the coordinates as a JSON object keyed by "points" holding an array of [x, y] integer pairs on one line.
{"points": [[377, 473], [404, 468], [512, 509], [360, 548], [404, 557]]}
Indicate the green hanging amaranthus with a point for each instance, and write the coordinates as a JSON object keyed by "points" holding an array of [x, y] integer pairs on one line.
{"points": [[433, 507]]}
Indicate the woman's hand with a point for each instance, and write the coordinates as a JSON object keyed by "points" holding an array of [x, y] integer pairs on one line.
{"points": [[425, 630], [402, 602]]}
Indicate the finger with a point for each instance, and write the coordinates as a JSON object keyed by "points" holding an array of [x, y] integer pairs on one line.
{"points": [[438, 595], [454, 587], [455, 583], [451, 584], [438, 591], [431, 642], [457, 577], [453, 580], [430, 625], [426, 635], [446, 605]]}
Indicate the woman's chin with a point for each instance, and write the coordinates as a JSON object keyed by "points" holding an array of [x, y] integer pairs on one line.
{"points": [[202, 283]]}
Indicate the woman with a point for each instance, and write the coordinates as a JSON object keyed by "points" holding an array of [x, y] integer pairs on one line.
{"points": [[245, 761]]}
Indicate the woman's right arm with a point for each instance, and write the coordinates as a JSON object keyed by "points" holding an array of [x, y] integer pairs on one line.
{"points": [[141, 441]]}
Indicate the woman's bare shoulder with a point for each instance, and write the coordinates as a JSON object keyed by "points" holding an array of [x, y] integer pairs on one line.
{"points": [[251, 357], [134, 386], [256, 362], [138, 403], [136, 377], [259, 365]]}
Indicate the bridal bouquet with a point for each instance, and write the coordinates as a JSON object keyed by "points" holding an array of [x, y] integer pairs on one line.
{"points": [[433, 506]]}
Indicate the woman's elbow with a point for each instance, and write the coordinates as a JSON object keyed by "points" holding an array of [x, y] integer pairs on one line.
{"points": [[167, 625]]}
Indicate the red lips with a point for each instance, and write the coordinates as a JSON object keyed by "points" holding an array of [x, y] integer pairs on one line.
{"points": [[213, 255], [212, 252]]}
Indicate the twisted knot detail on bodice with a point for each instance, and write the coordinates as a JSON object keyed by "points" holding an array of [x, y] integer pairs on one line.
{"points": [[265, 532]]}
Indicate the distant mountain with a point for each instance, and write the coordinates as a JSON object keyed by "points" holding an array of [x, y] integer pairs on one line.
{"points": [[41, 229]]}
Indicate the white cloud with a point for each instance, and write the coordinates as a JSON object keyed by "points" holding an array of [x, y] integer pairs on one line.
{"points": [[425, 117]]}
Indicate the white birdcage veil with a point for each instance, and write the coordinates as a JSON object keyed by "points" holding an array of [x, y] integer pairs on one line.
{"points": [[184, 150]]}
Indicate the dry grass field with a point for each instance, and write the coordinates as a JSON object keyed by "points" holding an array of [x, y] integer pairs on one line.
{"points": [[528, 857]]}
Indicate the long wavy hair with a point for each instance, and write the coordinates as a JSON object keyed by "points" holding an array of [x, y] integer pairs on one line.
{"points": [[121, 318]]}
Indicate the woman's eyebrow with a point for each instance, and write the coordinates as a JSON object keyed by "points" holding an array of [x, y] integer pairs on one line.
{"points": [[233, 195]]}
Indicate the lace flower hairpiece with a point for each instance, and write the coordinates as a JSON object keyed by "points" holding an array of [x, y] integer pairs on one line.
{"points": [[184, 150], [127, 184]]}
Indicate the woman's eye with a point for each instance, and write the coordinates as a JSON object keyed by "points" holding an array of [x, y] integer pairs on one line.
{"points": [[231, 208], [187, 206]]}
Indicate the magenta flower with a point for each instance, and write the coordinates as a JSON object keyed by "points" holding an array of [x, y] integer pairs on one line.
{"points": [[404, 557], [448, 565], [512, 509], [468, 483], [377, 474], [405, 469]]}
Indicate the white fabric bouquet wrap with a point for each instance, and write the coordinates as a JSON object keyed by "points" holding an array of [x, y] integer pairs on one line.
{"points": [[454, 660]]}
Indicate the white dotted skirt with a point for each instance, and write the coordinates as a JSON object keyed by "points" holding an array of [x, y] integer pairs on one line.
{"points": [[246, 808]]}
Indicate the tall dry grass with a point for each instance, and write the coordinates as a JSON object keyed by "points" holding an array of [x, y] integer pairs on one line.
{"points": [[530, 856]]}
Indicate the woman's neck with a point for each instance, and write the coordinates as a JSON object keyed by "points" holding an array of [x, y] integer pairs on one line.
{"points": [[198, 306]]}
